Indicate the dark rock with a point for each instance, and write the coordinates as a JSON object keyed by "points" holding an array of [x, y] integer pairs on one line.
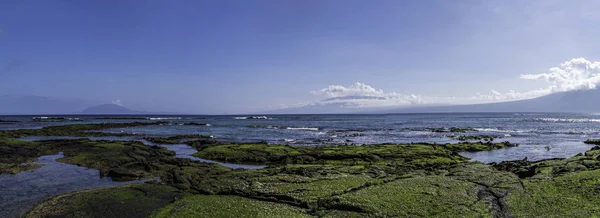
{"points": [[120, 174], [522, 168]]}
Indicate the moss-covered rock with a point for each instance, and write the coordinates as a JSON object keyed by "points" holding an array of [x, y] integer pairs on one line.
{"points": [[388, 180], [573, 194], [227, 206], [79, 130], [121, 160], [16, 156], [592, 141], [419, 155], [175, 139], [426, 196], [139, 200]]}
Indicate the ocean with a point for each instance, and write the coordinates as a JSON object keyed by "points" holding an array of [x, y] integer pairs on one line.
{"points": [[540, 135]]}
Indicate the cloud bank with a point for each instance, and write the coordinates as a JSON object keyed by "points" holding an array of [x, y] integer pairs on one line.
{"points": [[363, 95], [576, 74]]}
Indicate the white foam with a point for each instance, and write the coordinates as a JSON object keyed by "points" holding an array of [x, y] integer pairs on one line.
{"points": [[563, 120], [303, 128], [498, 130], [253, 118], [55, 118], [289, 140], [163, 118]]}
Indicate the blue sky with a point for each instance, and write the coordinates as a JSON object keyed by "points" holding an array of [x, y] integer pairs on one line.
{"points": [[238, 56]]}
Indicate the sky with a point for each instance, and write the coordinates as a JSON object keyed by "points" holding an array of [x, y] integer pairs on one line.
{"points": [[237, 56]]}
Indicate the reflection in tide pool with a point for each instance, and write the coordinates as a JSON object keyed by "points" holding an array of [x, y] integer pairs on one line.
{"points": [[531, 152], [22, 191], [185, 151]]}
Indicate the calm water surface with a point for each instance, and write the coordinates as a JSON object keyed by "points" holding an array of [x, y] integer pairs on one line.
{"points": [[20, 192]]}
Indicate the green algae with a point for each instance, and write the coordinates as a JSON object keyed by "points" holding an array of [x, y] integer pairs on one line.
{"points": [[573, 194], [16, 156], [78, 130], [407, 180], [427, 196], [227, 206], [175, 139], [592, 141], [417, 155], [17, 168], [130, 201], [121, 160]]}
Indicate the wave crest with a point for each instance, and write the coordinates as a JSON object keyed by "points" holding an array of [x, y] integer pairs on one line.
{"points": [[565, 120], [304, 128]]}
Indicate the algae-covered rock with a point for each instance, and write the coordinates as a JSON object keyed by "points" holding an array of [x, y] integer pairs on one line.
{"points": [[130, 201], [572, 194], [79, 130], [521, 168], [427, 196], [176, 139], [387, 180], [16, 156], [227, 206], [592, 141], [418, 155]]}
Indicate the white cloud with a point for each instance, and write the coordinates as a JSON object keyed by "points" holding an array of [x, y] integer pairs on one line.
{"points": [[117, 102], [495, 96], [363, 95], [356, 89], [576, 74]]}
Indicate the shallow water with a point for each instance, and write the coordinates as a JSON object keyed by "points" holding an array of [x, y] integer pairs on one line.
{"points": [[20, 192], [185, 151], [563, 132]]}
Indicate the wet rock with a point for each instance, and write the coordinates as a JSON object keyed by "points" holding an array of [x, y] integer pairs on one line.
{"points": [[120, 174], [522, 168]]}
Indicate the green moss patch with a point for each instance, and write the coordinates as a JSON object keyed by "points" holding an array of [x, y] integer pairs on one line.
{"points": [[227, 206], [415, 155], [428, 196], [175, 139], [570, 195], [79, 130], [129, 201]]}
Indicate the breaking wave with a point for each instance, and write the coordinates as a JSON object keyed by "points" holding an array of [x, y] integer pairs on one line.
{"points": [[163, 118], [56, 119], [264, 127], [304, 128], [498, 130], [564, 120], [253, 118]]}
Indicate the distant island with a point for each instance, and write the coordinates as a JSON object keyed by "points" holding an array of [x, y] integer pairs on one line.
{"points": [[110, 109], [580, 101]]}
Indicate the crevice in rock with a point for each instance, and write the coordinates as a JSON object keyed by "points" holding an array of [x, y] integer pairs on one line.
{"points": [[499, 208]]}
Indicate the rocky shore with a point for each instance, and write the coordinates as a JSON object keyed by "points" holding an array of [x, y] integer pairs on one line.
{"points": [[385, 180]]}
